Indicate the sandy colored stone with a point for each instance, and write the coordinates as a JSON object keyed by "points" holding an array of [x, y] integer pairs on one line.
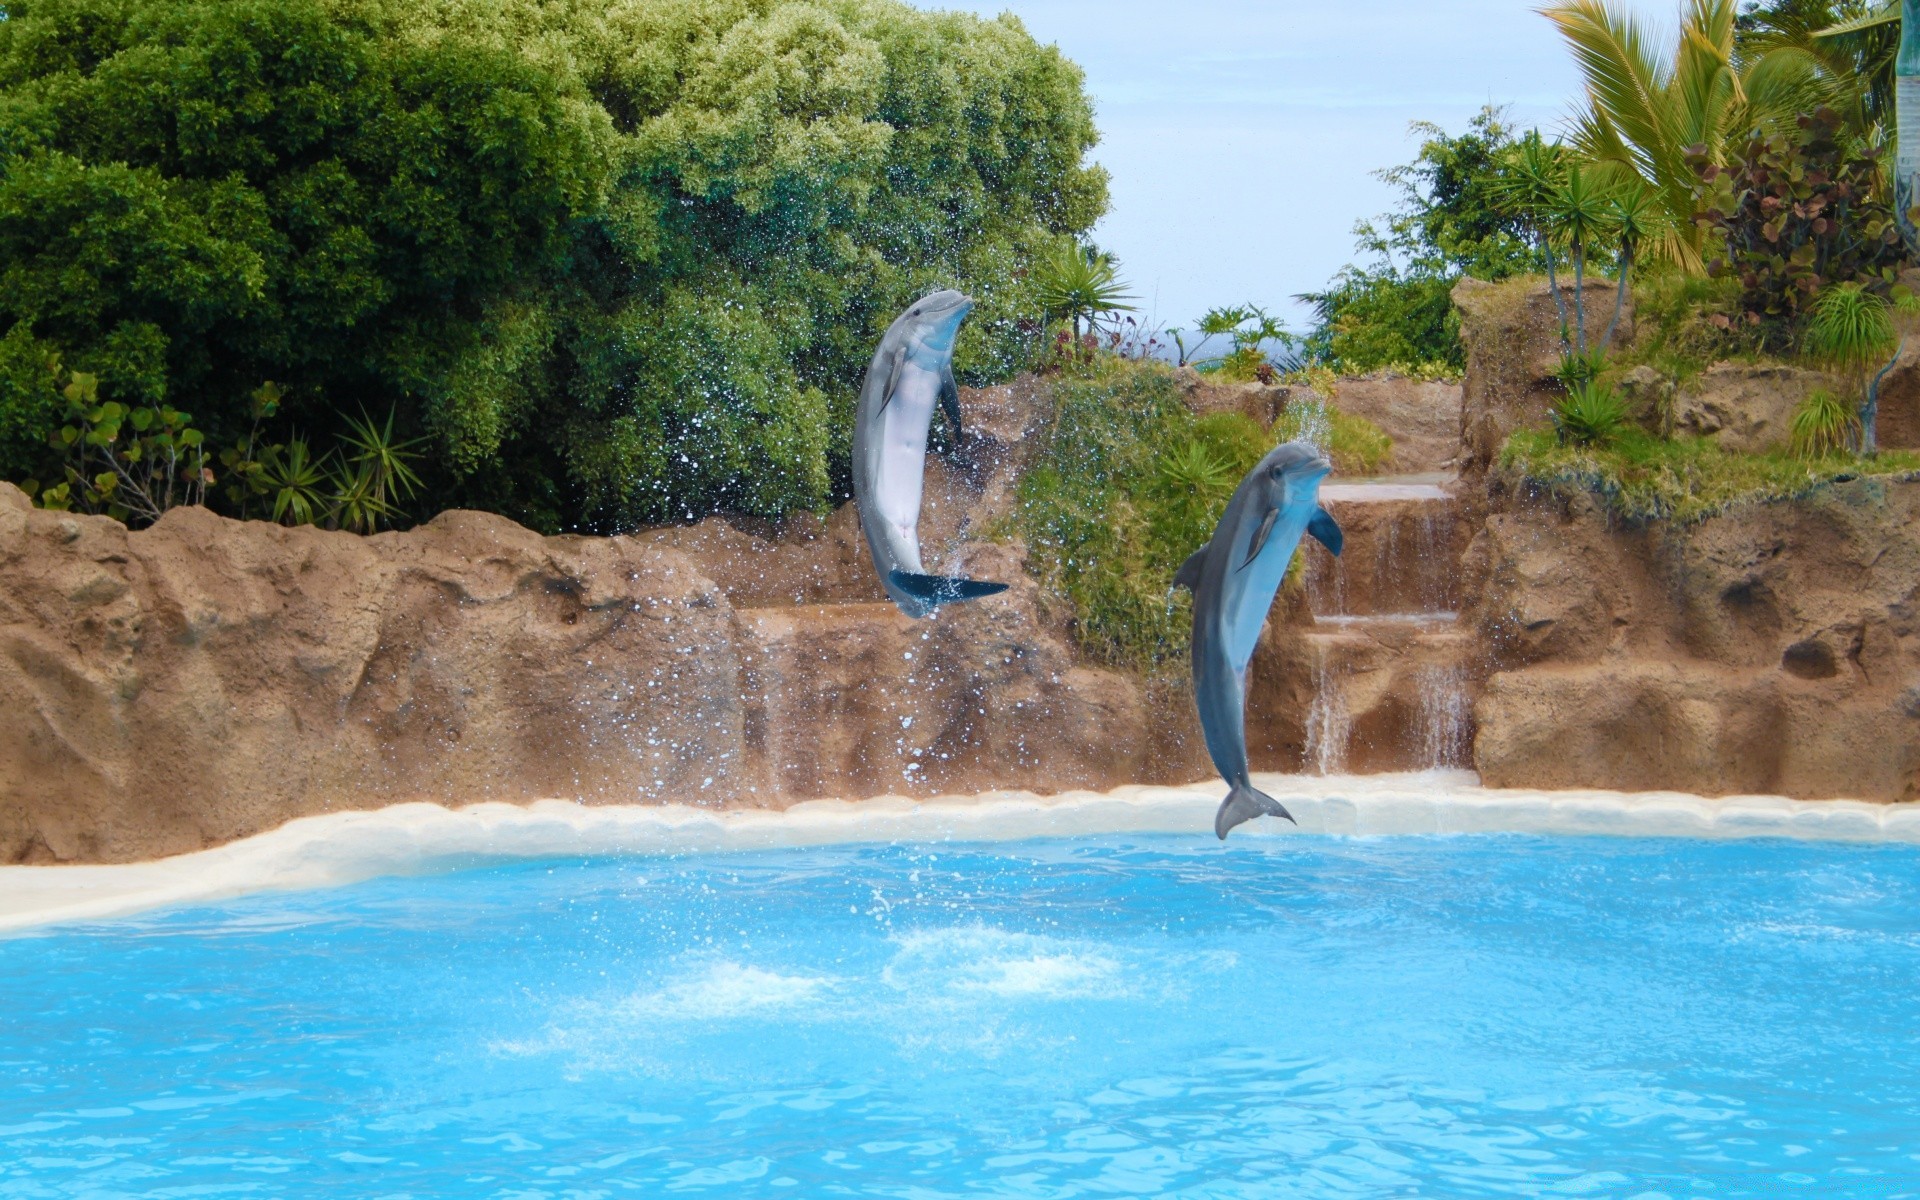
{"points": [[1747, 408], [1773, 649], [207, 679], [1512, 334], [1422, 418]]}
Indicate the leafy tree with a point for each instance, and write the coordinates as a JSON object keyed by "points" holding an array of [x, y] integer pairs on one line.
{"points": [[1649, 105], [606, 261], [1796, 210], [1452, 220]]}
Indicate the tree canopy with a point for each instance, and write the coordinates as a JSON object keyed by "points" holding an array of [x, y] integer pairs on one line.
{"points": [[611, 260]]}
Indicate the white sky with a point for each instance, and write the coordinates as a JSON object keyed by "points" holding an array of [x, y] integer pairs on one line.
{"points": [[1241, 134]]}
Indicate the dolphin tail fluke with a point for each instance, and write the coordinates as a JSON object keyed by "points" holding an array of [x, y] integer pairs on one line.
{"points": [[943, 589], [1243, 804]]}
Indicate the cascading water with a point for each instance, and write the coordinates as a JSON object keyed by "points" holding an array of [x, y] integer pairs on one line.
{"points": [[1387, 656], [1329, 725], [1444, 714]]}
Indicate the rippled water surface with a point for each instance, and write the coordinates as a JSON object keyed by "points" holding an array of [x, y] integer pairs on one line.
{"points": [[1491, 1016]]}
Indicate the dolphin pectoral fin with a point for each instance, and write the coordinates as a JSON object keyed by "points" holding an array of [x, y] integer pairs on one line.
{"points": [[1260, 536], [943, 589], [1327, 530], [893, 377], [1243, 804], [1188, 576], [950, 401]]}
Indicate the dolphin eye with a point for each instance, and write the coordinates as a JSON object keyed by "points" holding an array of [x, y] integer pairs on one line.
{"points": [[915, 313]]}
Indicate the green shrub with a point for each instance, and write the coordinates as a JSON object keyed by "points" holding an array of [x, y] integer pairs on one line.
{"points": [[1824, 425], [612, 261], [1128, 484], [1589, 414], [1794, 211]]}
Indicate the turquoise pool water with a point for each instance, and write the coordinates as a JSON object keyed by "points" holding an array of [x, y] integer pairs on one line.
{"points": [[1432, 1017]]}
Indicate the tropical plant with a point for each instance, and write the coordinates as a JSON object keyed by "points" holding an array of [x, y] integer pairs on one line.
{"points": [[1850, 329], [1395, 312], [131, 463], [1795, 211], [1589, 414], [383, 477], [1853, 41], [613, 262], [1249, 329], [1649, 103], [1193, 483], [1078, 283], [1823, 424], [296, 483]]}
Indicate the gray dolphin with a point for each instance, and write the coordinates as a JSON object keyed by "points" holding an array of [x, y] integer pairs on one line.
{"points": [[911, 372], [1234, 578]]}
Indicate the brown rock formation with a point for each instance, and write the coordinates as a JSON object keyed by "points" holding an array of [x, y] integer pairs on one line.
{"points": [[1512, 335], [206, 679], [1773, 649], [1748, 408], [1423, 418]]}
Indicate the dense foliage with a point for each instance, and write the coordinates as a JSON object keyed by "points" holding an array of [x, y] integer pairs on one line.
{"points": [[613, 260], [1397, 311], [1129, 482], [1795, 210]]}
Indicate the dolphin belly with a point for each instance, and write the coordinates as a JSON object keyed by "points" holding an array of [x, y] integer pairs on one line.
{"points": [[1253, 588], [900, 470]]}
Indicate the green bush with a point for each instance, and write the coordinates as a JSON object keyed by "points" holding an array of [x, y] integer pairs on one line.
{"points": [[1129, 484], [1796, 211], [613, 260], [1823, 425]]}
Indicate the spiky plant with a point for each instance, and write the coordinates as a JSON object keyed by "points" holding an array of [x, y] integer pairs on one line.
{"points": [[297, 483], [1590, 414], [1851, 331], [1078, 284], [1823, 424]]}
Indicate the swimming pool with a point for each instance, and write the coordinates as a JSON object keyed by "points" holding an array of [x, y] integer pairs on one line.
{"points": [[1133, 1015]]}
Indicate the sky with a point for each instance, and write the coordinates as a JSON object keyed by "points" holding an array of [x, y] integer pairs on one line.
{"points": [[1242, 135]]}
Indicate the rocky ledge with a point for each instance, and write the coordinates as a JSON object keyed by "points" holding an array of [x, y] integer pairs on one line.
{"points": [[207, 679]]}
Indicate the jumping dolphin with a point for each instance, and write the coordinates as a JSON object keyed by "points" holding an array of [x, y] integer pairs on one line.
{"points": [[1234, 578], [911, 371]]}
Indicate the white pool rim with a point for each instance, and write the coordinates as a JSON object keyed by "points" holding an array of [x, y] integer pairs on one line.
{"points": [[409, 839]]}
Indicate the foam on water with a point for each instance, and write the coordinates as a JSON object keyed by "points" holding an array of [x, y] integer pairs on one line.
{"points": [[420, 838]]}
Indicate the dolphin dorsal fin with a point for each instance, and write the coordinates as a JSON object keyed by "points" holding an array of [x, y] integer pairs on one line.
{"points": [[1324, 527], [1260, 536], [1188, 576]]}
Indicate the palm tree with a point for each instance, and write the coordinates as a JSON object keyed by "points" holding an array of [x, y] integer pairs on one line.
{"points": [[1648, 103], [1857, 37]]}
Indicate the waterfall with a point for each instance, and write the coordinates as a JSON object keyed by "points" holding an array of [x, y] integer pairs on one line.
{"points": [[1443, 713], [1328, 723]]}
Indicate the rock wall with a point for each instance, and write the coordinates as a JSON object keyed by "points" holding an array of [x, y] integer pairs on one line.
{"points": [[206, 679], [1774, 649], [1512, 335]]}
